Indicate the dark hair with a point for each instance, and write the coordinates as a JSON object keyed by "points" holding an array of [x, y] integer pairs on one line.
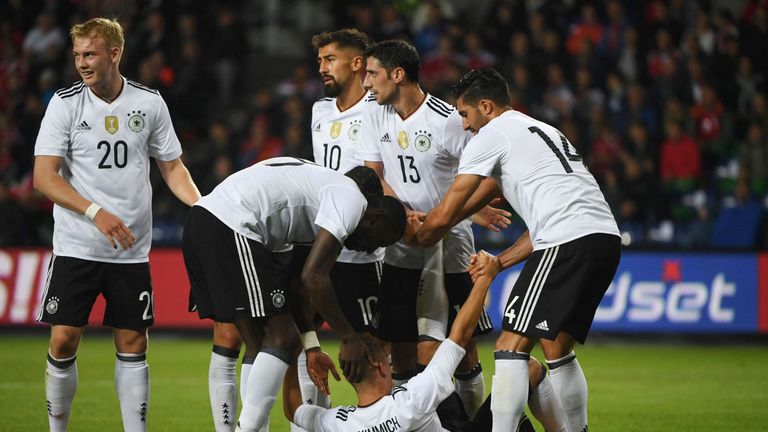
{"points": [[482, 84], [394, 212], [344, 38], [396, 53], [367, 180]]}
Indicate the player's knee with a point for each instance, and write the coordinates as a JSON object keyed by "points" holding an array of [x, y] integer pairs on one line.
{"points": [[227, 336], [130, 341], [64, 344], [535, 373]]}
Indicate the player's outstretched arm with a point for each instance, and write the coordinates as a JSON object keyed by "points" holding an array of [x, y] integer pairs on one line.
{"points": [[355, 349], [440, 220], [47, 180], [466, 320], [179, 181], [378, 167]]}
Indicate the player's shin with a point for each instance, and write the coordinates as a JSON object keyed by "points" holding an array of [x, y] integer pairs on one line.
{"points": [[222, 387], [544, 402], [264, 381], [132, 385], [471, 387], [60, 387], [571, 385], [509, 389]]}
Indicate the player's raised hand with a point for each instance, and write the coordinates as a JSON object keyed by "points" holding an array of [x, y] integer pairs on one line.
{"points": [[114, 229], [492, 218], [483, 263], [318, 366], [414, 221]]}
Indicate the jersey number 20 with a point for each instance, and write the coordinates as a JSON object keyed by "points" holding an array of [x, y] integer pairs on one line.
{"points": [[119, 153]]}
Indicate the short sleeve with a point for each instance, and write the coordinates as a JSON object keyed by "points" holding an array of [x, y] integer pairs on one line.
{"points": [[455, 137], [341, 209], [163, 143], [432, 386], [483, 153], [310, 417], [54, 136], [369, 144]]}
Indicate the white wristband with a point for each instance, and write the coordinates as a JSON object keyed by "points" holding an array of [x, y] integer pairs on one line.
{"points": [[91, 211], [309, 340]]}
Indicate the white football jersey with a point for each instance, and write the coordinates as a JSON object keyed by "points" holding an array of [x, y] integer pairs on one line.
{"points": [[106, 149], [335, 144], [421, 158], [543, 178], [410, 407], [284, 201]]}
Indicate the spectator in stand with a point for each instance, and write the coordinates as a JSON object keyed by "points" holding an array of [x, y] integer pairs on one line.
{"points": [[630, 61], [518, 53], [558, 100], [521, 85], [680, 158], [259, 145], [428, 25], [475, 56], [612, 42], [663, 54], [709, 122], [638, 110], [588, 28], [748, 83], [604, 151], [753, 164], [435, 64], [46, 35]]}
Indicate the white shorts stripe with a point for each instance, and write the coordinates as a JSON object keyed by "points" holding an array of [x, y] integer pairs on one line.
{"points": [[47, 286], [541, 287], [257, 288], [246, 274], [534, 289]]}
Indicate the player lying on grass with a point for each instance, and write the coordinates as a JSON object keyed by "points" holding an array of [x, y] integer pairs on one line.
{"points": [[426, 403]]}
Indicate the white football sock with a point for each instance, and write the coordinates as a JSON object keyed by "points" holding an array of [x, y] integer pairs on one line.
{"points": [[132, 385], [571, 386], [222, 387], [509, 390], [245, 372], [60, 387], [471, 387], [546, 407], [263, 384]]}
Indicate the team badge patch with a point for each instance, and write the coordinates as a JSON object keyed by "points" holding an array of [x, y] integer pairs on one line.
{"points": [[136, 121], [335, 129], [354, 130], [278, 298], [402, 139], [423, 141], [52, 306], [111, 124]]}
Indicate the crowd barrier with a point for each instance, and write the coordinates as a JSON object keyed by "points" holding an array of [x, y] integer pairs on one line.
{"points": [[653, 292]]}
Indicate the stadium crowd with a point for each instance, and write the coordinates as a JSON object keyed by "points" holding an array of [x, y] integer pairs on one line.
{"points": [[667, 100]]}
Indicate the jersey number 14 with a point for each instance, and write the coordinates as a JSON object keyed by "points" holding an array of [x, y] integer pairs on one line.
{"points": [[566, 148]]}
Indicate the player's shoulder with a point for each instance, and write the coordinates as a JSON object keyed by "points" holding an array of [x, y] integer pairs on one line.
{"points": [[342, 412], [73, 90], [438, 107], [323, 104], [141, 87]]}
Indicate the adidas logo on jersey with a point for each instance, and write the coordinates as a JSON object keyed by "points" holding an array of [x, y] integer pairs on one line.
{"points": [[386, 138], [83, 126], [542, 326], [317, 127]]}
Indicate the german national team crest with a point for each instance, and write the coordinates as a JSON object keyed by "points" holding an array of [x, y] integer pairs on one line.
{"points": [[354, 130], [136, 121], [402, 139], [423, 141], [278, 298], [52, 306], [335, 129], [111, 124]]}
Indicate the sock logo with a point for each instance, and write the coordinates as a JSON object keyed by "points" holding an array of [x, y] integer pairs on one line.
{"points": [[542, 326], [50, 407], [143, 412], [225, 413], [52, 306]]}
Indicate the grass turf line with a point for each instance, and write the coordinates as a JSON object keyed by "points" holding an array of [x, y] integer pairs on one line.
{"points": [[633, 387]]}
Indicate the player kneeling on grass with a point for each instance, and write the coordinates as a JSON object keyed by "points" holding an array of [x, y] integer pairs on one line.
{"points": [[426, 403]]}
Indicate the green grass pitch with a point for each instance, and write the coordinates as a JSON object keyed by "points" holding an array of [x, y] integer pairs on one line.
{"points": [[632, 387]]}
